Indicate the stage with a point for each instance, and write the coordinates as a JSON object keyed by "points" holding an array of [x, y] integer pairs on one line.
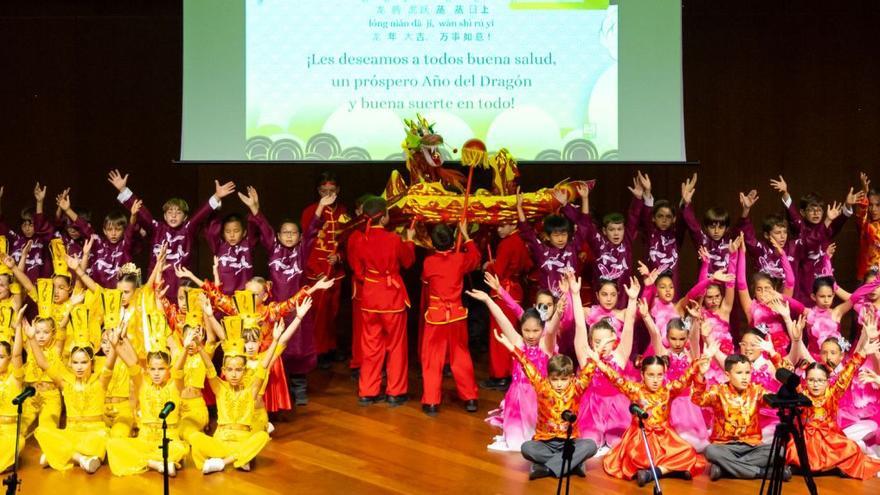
{"points": [[335, 446]]}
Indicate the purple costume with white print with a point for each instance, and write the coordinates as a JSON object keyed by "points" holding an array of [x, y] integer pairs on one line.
{"points": [[814, 240], [235, 264], [107, 257]]}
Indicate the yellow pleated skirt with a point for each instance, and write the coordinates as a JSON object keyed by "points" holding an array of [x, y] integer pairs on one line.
{"points": [[88, 439], [242, 445], [128, 456]]}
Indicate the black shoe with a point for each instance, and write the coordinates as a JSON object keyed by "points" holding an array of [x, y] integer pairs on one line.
{"points": [[471, 406], [397, 400], [686, 475], [715, 472], [539, 471], [366, 401], [495, 383], [643, 477], [355, 374], [580, 470], [786, 473], [325, 361], [431, 409], [339, 356]]}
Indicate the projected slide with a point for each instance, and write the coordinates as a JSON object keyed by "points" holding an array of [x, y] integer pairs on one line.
{"points": [[531, 76], [334, 79]]}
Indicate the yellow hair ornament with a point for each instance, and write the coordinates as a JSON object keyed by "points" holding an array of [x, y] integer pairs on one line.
{"points": [[245, 302], [234, 343], [79, 321], [158, 333]]}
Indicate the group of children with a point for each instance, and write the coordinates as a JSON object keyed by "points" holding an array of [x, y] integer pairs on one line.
{"points": [[111, 351]]}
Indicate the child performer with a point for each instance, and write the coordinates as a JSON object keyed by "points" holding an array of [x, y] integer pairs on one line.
{"points": [[176, 229], [605, 411], [559, 393], [235, 442], [65, 229], [516, 415], [11, 384], [736, 448], [157, 385], [84, 438], [717, 235], [717, 304], [758, 311], [112, 249], [814, 229], [612, 247], [376, 257], [868, 222], [232, 241], [446, 330], [672, 455], [827, 446], [35, 229], [118, 400], [663, 231], [684, 415], [511, 264], [288, 252], [325, 260], [766, 251]]}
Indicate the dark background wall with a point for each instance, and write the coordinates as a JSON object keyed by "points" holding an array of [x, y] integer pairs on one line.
{"points": [[783, 87]]}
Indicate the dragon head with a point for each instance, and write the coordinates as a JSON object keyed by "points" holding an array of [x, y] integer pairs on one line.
{"points": [[422, 140]]}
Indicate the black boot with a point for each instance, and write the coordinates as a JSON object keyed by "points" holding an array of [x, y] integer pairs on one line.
{"points": [[299, 385]]}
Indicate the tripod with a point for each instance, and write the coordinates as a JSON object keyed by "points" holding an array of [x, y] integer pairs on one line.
{"points": [[779, 448], [12, 482], [654, 470], [567, 454]]}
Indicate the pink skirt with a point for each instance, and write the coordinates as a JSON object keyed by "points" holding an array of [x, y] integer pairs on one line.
{"points": [[516, 415]]}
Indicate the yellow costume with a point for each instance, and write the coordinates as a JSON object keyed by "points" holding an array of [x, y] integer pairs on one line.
{"points": [[234, 435], [193, 410], [260, 421], [129, 456], [85, 432], [10, 386], [118, 400], [46, 405]]}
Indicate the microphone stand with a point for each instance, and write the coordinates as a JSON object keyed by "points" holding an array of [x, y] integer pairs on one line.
{"points": [[12, 482], [567, 454], [657, 490], [165, 480]]}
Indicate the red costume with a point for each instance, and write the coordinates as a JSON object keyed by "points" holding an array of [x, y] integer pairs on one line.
{"points": [[376, 257], [827, 446], [325, 304], [869, 240], [446, 323], [670, 451], [512, 262]]}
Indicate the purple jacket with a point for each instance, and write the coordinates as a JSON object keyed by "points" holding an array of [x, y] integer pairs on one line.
{"points": [[663, 245], [719, 254], [612, 261], [106, 257], [551, 261], [768, 260], [814, 240], [235, 263], [181, 240], [39, 261], [286, 264]]}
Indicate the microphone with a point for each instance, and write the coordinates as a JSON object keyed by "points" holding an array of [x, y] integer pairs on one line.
{"points": [[166, 410], [569, 416], [637, 411], [27, 392]]}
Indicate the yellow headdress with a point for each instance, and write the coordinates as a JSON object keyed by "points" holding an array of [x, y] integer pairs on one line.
{"points": [[79, 322], [157, 333], [194, 313], [6, 332], [234, 343], [245, 302], [45, 296], [111, 303], [128, 268], [59, 257]]}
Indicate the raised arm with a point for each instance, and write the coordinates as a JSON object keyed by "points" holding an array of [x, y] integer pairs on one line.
{"points": [[504, 324], [621, 354], [653, 331], [742, 284], [494, 282]]}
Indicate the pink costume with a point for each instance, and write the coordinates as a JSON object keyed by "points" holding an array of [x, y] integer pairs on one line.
{"points": [[518, 412], [598, 313], [604, 410], [685, 416], [765, 319]]}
